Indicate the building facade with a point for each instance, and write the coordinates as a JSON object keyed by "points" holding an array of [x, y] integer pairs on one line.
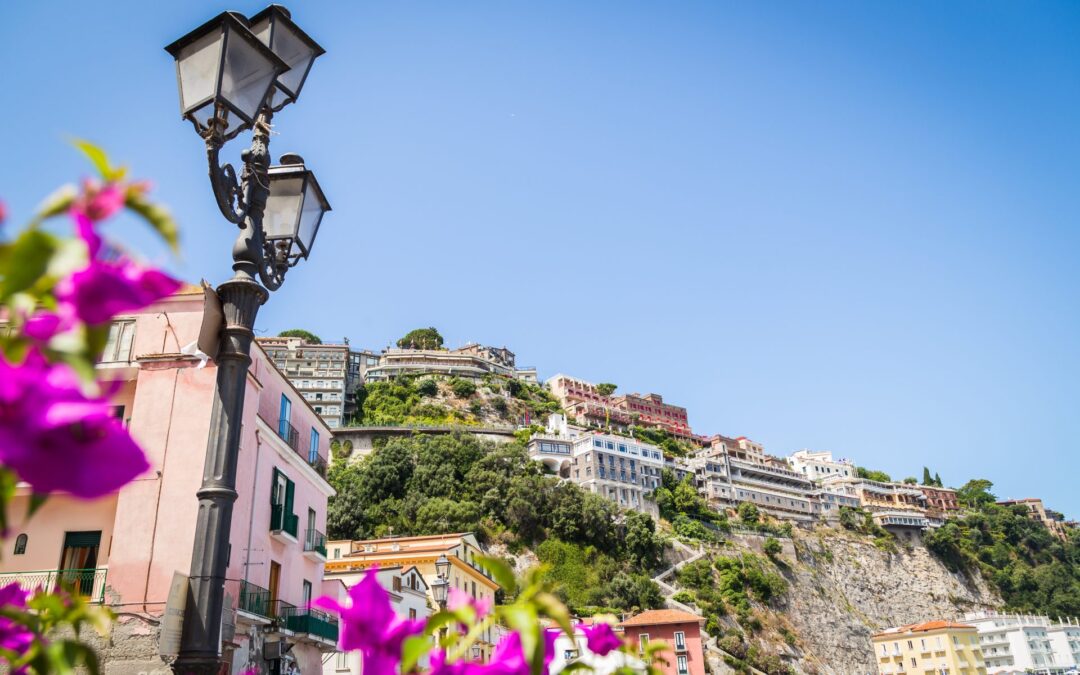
{"points": [[1017, 643], [942, 499], [124, 549], [897, 507], [583, 401], [818, 466], [349, 560], [934, 648], [325, 374], [681, 631], [573, 651], [624, 470], [472, 361]]}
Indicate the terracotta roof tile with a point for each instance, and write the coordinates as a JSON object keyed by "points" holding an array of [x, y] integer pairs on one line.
{"points": [[654, 617], [925, 627]]}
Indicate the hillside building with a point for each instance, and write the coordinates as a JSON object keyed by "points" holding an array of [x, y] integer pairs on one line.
{"points": [[933, 647], [472, 361], [897, 507], [624, 470], [583, 401], [349, 560], [1016, 643], [941, 498], [124, 549], [572, 651], [326, 375], [680, 631], [818, 466], [1036, 511]]}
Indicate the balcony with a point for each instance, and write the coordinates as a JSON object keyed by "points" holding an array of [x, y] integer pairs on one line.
{"points": [[311, 622], [315, 545], [289, 434], [89, 583], [283, 526], [254, 600]]}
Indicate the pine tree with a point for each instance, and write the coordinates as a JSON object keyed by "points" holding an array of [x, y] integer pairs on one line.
{"points": [[926, 479], [937, 480]]}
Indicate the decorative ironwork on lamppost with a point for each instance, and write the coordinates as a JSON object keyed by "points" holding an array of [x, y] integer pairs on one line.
{"points": [[440, 588], [233, 74]]}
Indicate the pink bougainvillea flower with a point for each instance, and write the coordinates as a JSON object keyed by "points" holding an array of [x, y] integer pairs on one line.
{"points": [[459, 598], [15, 638], [104, 289], [98, 201], [601, 639], [58, 439], [41, 326], [369, 624]]}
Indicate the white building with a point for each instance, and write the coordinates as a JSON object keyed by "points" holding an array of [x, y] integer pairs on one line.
{"points": [[624, 470], [408, 596], [1013, 644], [820, 465], [575, 651]]}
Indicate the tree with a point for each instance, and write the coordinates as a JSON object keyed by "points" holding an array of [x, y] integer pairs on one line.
{"points": [[421, 338], [870, 474], [748, 513], [911, 480], [306, 336], [976, 493], [771, 547], [606, 388], [427, 387], [639, 537], [462, 388], [926, 478], [937, 480]]}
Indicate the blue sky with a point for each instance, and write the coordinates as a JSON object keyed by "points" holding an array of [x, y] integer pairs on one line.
{"points": [[843, 226]]}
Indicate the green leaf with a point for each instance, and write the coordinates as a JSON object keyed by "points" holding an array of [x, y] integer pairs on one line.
{"points": [[37, 500], [412, 650], [26, 262], [156, 216], [55, 204], [556, 611], [99, 159], [504, 575]]}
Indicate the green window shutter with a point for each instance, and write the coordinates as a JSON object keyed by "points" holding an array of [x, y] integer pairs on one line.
{"points": [[289, 488], [273, 485], [81, 539]]}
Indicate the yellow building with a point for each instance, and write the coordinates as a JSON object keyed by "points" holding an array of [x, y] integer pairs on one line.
{"points": [[348, 560], [932, 648]]}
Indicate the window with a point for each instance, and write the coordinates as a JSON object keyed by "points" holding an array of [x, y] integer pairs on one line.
{"points": [[313, 448], [341, 661], [396, 584], [683, 665], [643, 642], [412, 614], [284, 414], [118, 342], [680, 641], [337, 553], [20, 544], [307, 593]]}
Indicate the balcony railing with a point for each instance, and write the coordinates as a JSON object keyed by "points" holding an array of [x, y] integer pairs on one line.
{"points": [[315, 541], [280, 521], [310, 621], [254, 599], [289, 434], [89, 583]]}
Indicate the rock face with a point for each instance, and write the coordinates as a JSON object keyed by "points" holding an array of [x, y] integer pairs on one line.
{"points": [[843, 589]]}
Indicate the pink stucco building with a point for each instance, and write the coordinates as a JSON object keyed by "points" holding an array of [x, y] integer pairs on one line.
{"points": [[681, 631], [127, 546]]}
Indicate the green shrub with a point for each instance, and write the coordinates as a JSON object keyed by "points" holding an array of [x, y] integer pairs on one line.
{"points": [[462, 388], [427, 387], [772, 547]]}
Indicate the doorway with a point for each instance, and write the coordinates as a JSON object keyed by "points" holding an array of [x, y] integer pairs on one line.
{"points": [[78, 560], [275, 579]]}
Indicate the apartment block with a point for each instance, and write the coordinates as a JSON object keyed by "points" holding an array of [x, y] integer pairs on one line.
{"points": [[1017, 643], [897, 507], [1036, 511], [326, 375], [583, 401], [818, 466], [680, 631], [349, 560], [131, 549], [941, 498], [931, 648], [624, 470], [472, 361]]}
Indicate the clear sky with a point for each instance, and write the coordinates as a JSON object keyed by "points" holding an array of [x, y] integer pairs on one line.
{"points": [[843, 226]]}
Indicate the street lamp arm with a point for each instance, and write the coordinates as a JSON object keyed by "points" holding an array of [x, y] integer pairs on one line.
{"points": [[227, 189]]}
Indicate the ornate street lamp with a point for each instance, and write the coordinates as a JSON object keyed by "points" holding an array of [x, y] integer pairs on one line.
{"points": [[439, 590], [233, 74], [442, 567]]}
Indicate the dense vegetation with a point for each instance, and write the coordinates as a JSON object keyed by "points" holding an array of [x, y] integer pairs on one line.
{"points": [[1034, 571], [421, 338], [307, 336], [871, 474], [436, 400], [455, 483]]}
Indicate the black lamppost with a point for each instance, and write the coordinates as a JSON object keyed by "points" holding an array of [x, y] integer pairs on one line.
{"points": [[234, 73], [441, 586]]}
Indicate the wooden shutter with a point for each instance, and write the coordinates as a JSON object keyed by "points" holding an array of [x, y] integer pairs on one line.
{"points": [[289, 488]]}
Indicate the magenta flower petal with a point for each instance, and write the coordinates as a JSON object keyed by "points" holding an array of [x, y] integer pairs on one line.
{"points": [[42, 326], [601, 639], [104, 289]]}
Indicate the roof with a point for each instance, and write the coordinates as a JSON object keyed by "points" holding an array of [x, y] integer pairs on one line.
{"points": [[926, 627], [655, 617]]}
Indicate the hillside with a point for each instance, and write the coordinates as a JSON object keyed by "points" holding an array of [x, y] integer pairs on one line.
{"points": [[780, 599], [434, 400]]}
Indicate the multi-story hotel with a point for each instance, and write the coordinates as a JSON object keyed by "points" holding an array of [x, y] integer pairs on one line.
{"points": [[472, 361], [624, 470], [932, 648], [1036, 511], [133, 549], [1013, 644], [349, 560], [583, 401], [325, 374], [897, 507], [680, 631], [941, 498]]}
